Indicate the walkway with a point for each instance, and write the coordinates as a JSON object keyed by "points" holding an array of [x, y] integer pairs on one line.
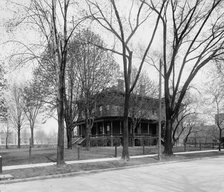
{"points": [[11, 167]]}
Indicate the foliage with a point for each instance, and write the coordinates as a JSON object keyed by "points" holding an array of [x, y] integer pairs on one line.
{"points": [[95, 71]]}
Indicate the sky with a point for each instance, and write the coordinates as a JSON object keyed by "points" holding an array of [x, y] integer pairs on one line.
{"points": [[26, 36]]}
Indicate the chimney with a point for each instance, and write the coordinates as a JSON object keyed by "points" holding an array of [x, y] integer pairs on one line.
{"points": [[142, 90], [120, 85]]}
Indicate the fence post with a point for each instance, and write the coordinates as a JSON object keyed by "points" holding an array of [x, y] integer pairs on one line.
{"points": [[185, 147], [30, 149], [0, 164], [115, 150], [78, 151]]}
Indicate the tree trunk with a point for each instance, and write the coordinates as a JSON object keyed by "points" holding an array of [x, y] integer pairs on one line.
{"points": [[133, 134], [125, 152], [31, 137], [69, 137], [88, 132], [19, 140], [60, 111], [168, 146], [220, 139], [6, 141]]}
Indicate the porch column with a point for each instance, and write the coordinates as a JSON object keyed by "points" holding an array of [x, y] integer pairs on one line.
{"points": [[111, 128], [103, 127], [148, 127], [140, 128], [96, 129], [80, 130], [140, 131], [111, 134]]}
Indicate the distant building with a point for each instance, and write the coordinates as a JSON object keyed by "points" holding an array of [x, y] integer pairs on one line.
{"points": [[219, 118], [204, 134]]}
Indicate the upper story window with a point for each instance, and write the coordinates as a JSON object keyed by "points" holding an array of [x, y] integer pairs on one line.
{"points": [[82, 115], [107, 107], [101, 110], [153, 111]]}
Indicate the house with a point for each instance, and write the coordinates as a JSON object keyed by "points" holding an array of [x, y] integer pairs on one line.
{"points": [[107, 118]]}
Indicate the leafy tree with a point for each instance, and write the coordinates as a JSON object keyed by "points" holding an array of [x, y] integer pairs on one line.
{"points": [[89, 70], [95, 71]]}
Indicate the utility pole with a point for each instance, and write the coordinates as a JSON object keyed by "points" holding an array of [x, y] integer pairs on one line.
{"points": [[160, 110]]}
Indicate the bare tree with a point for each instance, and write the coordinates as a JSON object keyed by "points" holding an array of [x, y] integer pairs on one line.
{"points": [[5, 128], [54, 22], [89, 70], [187, 118], [15, 109], [4, 116], [215, 104], [41, 137], [124, 29], [139, 109], [95, 71], [192, 37], [32, 103]]}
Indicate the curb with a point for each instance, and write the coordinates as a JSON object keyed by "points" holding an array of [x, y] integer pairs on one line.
{"points": [[102, 170]]}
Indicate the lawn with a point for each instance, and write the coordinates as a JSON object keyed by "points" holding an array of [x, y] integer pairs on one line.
{"points": [[48, 154], [73, 169], [45, 154]]}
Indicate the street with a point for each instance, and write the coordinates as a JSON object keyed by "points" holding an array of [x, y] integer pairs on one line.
{"points": [[197, 175]]}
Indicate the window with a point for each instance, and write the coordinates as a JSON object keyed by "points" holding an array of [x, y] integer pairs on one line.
{"points": [[108, 128], [101, 110], [153, 111]]}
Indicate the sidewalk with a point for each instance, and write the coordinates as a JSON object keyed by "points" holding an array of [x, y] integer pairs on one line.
{"points": [[12, 167]]}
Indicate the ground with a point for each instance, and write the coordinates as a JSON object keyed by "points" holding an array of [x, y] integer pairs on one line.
{"points": [[204, 174], [15, 160]]}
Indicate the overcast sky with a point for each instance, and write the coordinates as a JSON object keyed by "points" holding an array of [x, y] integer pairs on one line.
{"points": [[25, 73]]}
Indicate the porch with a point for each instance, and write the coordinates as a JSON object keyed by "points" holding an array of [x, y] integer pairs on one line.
{"points": [[108, 131]]}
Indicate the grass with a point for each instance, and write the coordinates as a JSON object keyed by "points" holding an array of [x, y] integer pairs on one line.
{"points": [[41, 155], [16, 156]]}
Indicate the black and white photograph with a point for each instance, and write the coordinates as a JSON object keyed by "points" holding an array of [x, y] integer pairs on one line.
{"points": [[111, 95]]}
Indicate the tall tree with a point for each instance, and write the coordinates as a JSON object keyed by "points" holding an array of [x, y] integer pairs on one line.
{"points": [[215, 103], [95, 70], [187, 118], [123, 24], [55, 24], [15, 109], [193, 36], [89, 70], [145, 88], [4, 111], [32, 103]]}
